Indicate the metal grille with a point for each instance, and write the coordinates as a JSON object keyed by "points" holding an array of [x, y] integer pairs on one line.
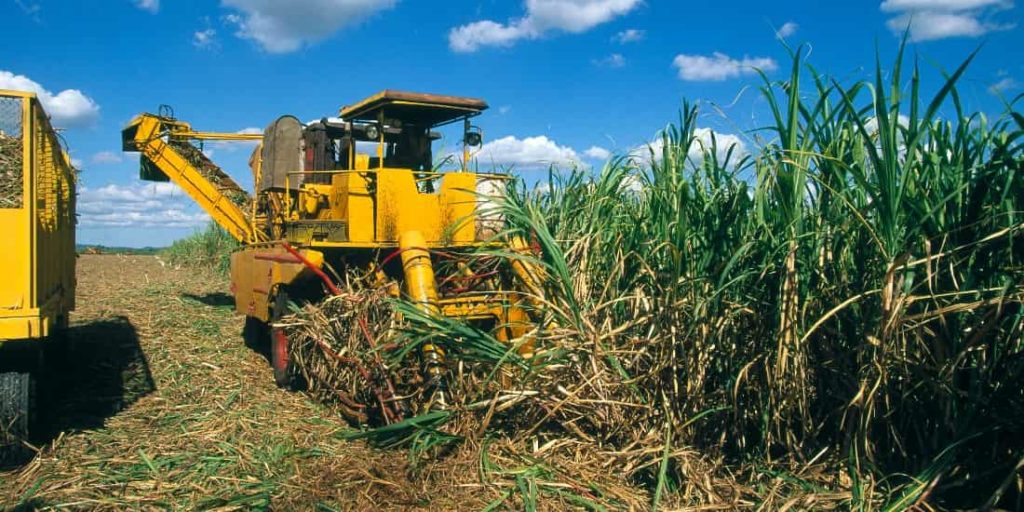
{"points": [[12, 165], [10, 116]]}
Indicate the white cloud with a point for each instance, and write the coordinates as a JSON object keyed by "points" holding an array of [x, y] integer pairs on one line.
{"points": [[871, 125], [232, 145], [630, 35], [1006, 84], [537, 151], [615, 60], [939, 5], [31, 9], [76, 163], [504, 109], [282, 27], [469, 38], [939, 19], [67, 109], [157, 205], [542, 17], [787, 29], [204, 38], [106, 157], [597, 153], [152, 6], [703, 139], [632, 183], [719, 66]]}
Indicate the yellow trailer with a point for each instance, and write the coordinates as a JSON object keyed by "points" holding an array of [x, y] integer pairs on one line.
{"points": [[37, 256]]}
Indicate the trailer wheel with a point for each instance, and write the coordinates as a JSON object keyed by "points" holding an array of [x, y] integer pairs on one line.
{"points": [[286, 374], [17, 413]]}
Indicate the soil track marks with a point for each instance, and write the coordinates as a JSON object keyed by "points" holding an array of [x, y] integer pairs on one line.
{"points": [[161, 405]]}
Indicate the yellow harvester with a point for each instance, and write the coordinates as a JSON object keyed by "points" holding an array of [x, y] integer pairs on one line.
{"points": [[37, 258], [320, 202]]}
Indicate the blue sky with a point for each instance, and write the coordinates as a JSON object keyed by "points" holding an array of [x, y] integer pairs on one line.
{"points": [[568, 81]]}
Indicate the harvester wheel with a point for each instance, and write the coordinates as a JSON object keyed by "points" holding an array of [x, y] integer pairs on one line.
{"points": [[285, 374], [17, 410], [256, 334]]}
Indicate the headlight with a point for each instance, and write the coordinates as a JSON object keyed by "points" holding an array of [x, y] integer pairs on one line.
{"points": [[372, 132]]}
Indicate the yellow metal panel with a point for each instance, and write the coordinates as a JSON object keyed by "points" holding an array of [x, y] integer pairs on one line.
{"points": [[443, 217], [458, 205], [357, 206], [15, 251], [23, 327], [257, 271], [37, 252], [401, 208]]}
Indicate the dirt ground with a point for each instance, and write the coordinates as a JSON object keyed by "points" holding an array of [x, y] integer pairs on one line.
{"points": [[160, 405]]}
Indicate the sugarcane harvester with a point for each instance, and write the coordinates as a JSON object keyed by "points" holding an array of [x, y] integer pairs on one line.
{"points": [[321, 204]]}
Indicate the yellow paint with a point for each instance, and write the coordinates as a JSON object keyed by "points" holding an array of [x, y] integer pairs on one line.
{"points": [[147, 130], [443, 218], [421, 290], [37, 249], [361, 209], [257, 270]]}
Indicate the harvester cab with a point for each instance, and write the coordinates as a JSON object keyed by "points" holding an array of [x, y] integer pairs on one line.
{"points": [[337, 192], [355, 195]]}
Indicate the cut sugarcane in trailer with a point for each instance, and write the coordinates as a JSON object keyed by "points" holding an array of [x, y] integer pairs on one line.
{"points": [[37, 260]]}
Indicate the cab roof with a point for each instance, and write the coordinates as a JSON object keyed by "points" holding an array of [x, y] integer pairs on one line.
{"points": [[418, 108]]}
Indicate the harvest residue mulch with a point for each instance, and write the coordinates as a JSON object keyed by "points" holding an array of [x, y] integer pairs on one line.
{"points": [[162, 405], [10, 171]]}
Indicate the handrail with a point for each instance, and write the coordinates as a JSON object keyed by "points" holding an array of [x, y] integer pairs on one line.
{"points": [[493, 176]]}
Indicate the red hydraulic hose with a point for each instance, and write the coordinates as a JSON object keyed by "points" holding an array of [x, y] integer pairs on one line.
{"points": [[316, 270]]}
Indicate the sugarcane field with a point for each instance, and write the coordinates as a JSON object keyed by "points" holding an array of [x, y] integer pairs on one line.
{"points": [[543, 255]]}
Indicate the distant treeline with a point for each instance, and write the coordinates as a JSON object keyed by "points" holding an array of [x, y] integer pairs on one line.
{"points": [[103, 249]]}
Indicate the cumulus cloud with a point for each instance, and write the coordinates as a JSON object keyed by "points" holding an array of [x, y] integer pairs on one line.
{"points": [[204, 38], [154, 205], [787, 29], [939, 19], [151, 6], [529, 152], [597, 153], [67, 109], [939, 5], [542, 17], [1003, 85], [282, 27], [719, 66], [724, 142], [630, 35], [615, 60], [106, 157]]}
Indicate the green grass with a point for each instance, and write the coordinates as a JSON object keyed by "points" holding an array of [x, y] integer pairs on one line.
{"points": [[210, 247], [103, 249], [853, 284], [850, 285]]}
